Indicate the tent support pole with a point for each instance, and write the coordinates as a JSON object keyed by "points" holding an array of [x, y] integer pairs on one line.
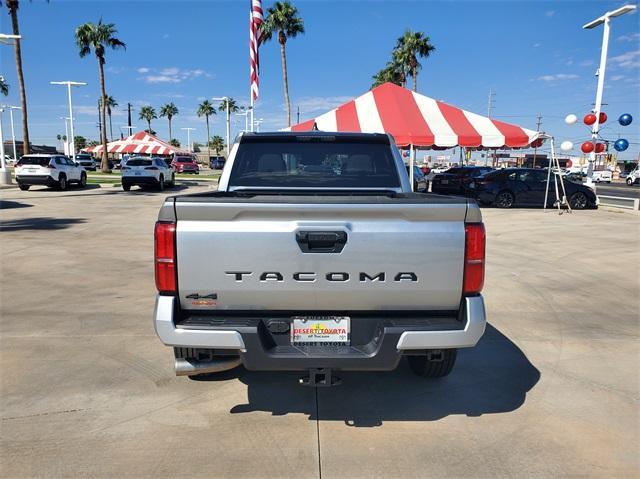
{"points": [[412, 153]]}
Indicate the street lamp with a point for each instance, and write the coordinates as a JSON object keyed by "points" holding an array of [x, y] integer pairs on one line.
{"points": [[257, 124], [69, 84], [129, 129], [189, 137], [226, 100], [5, 175], [245, 112], [13, 133], [603, 20]]}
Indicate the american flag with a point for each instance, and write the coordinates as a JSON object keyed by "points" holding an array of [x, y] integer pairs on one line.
{"points": [[255, 20]]}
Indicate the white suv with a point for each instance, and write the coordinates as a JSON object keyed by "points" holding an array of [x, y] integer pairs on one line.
{"points": [[49, 170], [633, 177], [602, 176], [143, 171]]}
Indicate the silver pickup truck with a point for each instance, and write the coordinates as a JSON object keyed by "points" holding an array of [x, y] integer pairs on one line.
{"points": [[315, 255]]}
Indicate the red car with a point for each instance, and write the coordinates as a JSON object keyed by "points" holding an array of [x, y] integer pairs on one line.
{"points": [[185, 164]]}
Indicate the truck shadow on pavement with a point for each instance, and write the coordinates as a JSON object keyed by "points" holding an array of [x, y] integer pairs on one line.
{"points": [[40, 223], [494, 377]]}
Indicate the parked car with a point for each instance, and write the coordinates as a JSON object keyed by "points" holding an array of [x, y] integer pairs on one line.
{"points": [[145, 171], [86, 161], [9, 161], [604, 176], [216, 162], [526, 186], [185, 164], [633, 178], [455, 181], [420, 183], [305, 278], [49, 170]]}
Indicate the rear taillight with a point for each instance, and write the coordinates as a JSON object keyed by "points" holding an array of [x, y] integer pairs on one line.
{"points": [[165, 257], [473, 258]]}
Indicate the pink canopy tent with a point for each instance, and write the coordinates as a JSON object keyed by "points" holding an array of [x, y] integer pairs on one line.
{"points": [[419, 121], [139, 143]]}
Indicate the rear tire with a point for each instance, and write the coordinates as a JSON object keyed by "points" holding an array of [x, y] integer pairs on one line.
{"points": [[161, 183], [62, 182], [431, 367], [83, 180], [126, 187], [504, 199], [24, 187], [172, 183]]}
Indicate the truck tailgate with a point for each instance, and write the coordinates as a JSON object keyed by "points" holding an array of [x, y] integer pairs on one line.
{"points": [[241, 254]]}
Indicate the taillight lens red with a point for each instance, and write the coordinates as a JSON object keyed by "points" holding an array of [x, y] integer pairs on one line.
{"points": [[474, 258], [165, 257]]}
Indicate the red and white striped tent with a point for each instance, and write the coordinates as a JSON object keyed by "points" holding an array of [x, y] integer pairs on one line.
{"points": [[140, 143], [419, 121]]}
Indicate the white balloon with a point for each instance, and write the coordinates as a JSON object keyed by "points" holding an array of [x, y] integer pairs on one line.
{"points": [[566, 146], [570, 119]]}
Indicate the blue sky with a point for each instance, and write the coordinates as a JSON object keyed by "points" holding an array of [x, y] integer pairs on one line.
{"points": [[534, 55]]}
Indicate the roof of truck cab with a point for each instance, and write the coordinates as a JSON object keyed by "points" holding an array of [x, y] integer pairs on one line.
{"points": [[276, 135]]}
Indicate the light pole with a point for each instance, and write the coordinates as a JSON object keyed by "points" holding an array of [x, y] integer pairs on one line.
{"points": [[603, 20], [226, 100], [189, 130], [245, 112], [257, 124], [5, 175], [66, 135], [129, 129], [13, 133], [69, 84]]}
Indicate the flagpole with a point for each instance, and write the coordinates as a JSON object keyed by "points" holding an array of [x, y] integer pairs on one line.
{"points": [[251, 107]]}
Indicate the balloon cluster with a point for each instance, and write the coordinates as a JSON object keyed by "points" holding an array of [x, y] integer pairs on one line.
{"points": [[589, 119]]}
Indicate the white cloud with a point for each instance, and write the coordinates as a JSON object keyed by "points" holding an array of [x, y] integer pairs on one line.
{"points": [[536, 45], [617, 77], [558, 77], [586, 63], [629, 38], [165, 36], [319, 104], [171, 74], [92, 110], [549, 13], [629, 59]]}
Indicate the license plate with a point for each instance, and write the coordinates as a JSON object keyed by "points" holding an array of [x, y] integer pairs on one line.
{"points": [[445, 182], [137, 173], [320, 330]]}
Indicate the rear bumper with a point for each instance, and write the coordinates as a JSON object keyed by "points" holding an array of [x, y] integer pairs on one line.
{"points": [[384, 343], [139, 180], [36, 180]]}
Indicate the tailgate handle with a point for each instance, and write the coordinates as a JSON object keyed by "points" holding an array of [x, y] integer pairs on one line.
{"points": [[321, 241]]}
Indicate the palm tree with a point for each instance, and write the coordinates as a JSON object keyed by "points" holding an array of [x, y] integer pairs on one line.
{"points": [[409, 47], [169, 110], [283, 18], [174, 142], [390, 73], [12, 6], [217, 143], [4, 86], [98, 37], [147, 113], [233, 106], [111, 103], [206, 109]]}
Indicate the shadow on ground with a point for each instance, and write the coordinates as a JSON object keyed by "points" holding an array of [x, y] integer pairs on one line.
{"points": [[7, 205], [494, 377], [44, 223]]}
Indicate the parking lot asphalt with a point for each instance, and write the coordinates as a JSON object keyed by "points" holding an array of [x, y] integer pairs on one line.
{"points": [[618, 189], [87, 389]]}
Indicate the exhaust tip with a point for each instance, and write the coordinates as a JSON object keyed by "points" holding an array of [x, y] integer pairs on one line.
{"points": [[192, 367]]}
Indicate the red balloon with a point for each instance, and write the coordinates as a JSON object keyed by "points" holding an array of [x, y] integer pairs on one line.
{"points": [[602, 117], [589, 119], [587, 147], [600, 147]]}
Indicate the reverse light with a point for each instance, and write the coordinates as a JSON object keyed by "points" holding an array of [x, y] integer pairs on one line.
{"points": [[474, 258], [165, 257]]}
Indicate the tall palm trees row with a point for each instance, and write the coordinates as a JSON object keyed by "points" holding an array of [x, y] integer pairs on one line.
{"points": [[404, 60]]}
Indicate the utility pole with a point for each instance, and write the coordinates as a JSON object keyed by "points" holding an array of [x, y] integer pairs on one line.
{"points": [[490, 103], [535, 150], [129, 116], [298, 115]]}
